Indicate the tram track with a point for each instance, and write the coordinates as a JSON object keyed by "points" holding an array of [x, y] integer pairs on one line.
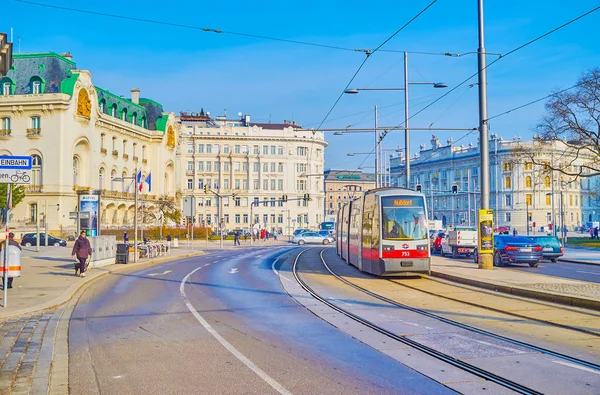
{"points": [[460, 364], [457, 324]]}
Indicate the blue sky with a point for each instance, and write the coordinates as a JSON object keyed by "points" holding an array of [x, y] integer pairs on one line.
{"points": [[189, 69]]}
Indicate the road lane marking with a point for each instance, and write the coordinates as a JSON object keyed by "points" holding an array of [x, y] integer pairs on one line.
{"points": [[574, 366], [583, 271], [241, 357], [405, 322], [514, 350], [160, 274], [277, 273]]}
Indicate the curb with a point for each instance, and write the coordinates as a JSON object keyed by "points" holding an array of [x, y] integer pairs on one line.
{"points": [[579, 262], [569, 300], [70, 292]]}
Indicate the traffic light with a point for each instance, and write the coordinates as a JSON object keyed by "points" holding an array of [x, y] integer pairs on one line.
{"points": [[206, 188], [233, 195], [284, 198], [419, 188], [454, 188], [306, 197]]}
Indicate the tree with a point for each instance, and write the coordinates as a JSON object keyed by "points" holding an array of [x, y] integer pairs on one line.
{"points": [[165, 209], [18, 194], [572, 120]]}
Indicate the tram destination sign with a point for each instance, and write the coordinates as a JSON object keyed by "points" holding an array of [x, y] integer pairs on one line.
{"points": [[15, 169]]}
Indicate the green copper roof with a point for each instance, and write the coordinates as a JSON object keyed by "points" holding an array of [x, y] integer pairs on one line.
{"points": [[68, 84], [42, 55]]}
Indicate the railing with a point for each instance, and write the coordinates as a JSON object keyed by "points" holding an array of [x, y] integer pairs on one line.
{"points": [[125, 156], [33, 188], [5, 132], [135, 158], [115, 153], [34, 132], [103, 151], [144, 161]]}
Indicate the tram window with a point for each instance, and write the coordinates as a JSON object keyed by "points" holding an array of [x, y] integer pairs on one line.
{"points": [[403, 218]]}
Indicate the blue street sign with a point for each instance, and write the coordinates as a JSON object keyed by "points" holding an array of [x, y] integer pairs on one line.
{"points": [[15, 162]]}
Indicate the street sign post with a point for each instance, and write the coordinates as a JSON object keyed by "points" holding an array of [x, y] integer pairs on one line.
{"points": [[13, 170]]}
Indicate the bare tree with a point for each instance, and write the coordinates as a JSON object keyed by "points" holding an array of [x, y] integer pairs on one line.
{"points": [[572, 120], [165, 209]]}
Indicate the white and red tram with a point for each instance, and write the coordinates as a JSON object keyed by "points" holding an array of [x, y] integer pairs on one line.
{"points": [[384, 232]]}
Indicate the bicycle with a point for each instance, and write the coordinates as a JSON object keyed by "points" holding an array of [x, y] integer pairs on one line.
{"points": [[20, 175]]}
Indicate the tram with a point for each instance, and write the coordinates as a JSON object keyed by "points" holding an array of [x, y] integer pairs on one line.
{"points": [[385, 232]]}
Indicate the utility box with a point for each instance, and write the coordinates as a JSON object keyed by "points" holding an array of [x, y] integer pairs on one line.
{"points": [[122, 255]]}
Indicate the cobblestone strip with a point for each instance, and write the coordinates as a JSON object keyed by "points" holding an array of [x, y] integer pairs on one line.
{"points": [[41, 376], [59, 373], [12, 329], [24, 374], [17, 352]]}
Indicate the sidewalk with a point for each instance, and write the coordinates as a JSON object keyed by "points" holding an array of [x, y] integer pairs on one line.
{"points": [[532, 285], [584, 255]]}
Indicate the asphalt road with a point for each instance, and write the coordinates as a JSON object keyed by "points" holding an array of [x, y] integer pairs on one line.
{"points": [[220, 323]]}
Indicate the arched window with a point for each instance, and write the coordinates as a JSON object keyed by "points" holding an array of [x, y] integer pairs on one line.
{"points": [[113, 110], [507, 182], [125, 183], [76, 167], [143, 124], [36, 170], [113, 175], [134, 118], [8, 86], [124, 114], [102, 106], [37, 85], [101, 179], [528, 182], [548, 199], [547, 182]]}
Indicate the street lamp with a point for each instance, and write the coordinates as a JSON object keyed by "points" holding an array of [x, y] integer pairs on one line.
{"points": [[135, 213], [405, 89]]}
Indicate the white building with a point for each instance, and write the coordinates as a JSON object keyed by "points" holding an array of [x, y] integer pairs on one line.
{"points": [[517, 186], [259, 163], [81, 137]]}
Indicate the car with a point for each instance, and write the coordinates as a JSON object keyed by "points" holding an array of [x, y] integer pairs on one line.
{"points": [[552, 249], [29, 239], [311, 238], [436, 245], [501, 229], [299, 231], [515, 249], [326, 233]]}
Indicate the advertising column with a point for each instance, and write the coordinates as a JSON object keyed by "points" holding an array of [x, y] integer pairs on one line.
{"points": [[486, 232], [89, 203]]}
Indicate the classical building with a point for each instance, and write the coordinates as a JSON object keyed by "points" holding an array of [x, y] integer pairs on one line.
{"points": [[518, 188], [341, 186], [81, 137], [259, 163]]}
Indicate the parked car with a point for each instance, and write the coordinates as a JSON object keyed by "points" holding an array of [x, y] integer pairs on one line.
{"points": [[501, 229], [436, 244], [515, 249], [29, 239], [311, 238], [299, 231], [552, 249]]}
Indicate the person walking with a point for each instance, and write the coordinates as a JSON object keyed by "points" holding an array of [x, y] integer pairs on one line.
{"points": [[11, 242], [515, 232], [596, 233], [236, 238], [82, 249]]}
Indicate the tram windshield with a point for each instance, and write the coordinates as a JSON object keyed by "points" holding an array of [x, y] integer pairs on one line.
{"points": [[403, 218]]}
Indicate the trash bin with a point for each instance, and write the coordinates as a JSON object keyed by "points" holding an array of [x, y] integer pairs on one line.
{"points": [[122, 255], [175, 242]]}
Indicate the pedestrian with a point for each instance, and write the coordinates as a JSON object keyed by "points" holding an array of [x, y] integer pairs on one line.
{"points": [[82, 249], [245, 236], [236, 238], [125, 238], [515, 232], [596, 232], [11, 242], [591, 232], [274, 236]]}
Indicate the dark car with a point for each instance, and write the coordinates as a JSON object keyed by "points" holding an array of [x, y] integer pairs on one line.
{"points": [[515, 249], [29, 239], [552, 249]]}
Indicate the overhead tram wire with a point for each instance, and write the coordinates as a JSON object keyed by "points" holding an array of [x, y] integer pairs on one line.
{"points": [[493, 62]]}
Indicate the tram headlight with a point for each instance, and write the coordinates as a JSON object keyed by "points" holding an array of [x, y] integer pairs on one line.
{"points": [[422, 247], [388, 248]]}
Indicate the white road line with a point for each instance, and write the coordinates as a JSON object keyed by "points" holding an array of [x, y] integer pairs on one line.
{"points": [[273, 267], [259, 372], [405, 322], [583, 271], [574, 366], [493, 345]]}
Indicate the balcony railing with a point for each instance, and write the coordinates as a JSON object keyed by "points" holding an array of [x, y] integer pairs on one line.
{"points": [[135, 158], [103, 150], [33, 188], [144, 161], [5, 132], [125, 156], [115, 153], [34, 132]]}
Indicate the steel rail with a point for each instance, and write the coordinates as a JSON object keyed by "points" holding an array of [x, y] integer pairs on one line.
{"points": [[461, 325], [521, 389]]}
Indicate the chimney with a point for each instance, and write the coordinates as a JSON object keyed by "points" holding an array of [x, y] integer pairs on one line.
{"points": [[135, 95], [67, 55]]}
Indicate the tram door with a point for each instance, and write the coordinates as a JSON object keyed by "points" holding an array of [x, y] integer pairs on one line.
{"points": [[370, 248]]}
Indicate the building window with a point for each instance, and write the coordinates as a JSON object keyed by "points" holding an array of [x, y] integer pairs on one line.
{"points": [[245, 184], [201, 165], [76, 166], [36, 170], [33, 210], [236, 166], [190, 166], [244, 149], [273, 182], [225, 149], [255, 184], [190, 183], [208, 149], [102, 105], [134, 118], [507, 217], [528, 199], [266, 185], [528, 182], [300, 185], [200, 184], [265, 167], [280, 167], [36, 85], [280, 185], [256, 166], [200, 148], [508, 200], [507, 182], [35, 123], [507, 166], [208, 165], [236, 149], [301, 151], [265, 150], [528, 166], [101, 179], [5, 124], [124, 114], [280, 151], [225, 166], [273, 166], [245, 167], [273, 150], [237, 183], [7, 87], [547, 182], [570, 200], [548, 199], [113, 110]]}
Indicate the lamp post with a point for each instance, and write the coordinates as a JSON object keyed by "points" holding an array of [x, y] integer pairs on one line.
{"points": [[135, 213], [405, 89]]}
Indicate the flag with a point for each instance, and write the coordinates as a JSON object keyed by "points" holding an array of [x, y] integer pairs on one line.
{"points": [[139, 180], [9, 201], [149, 182]]}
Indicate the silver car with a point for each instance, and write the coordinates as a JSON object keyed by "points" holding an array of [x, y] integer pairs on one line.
{"points": [[312, 238]]}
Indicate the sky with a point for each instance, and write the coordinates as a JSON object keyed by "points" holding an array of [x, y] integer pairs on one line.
{"points": [[187, 69]]}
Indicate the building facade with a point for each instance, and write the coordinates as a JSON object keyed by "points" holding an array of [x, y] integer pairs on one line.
{"points": [[519, 189], [256, 162], [341, 186], [81, 137]]}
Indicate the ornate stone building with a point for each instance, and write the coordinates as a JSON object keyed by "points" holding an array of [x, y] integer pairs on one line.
{"points": [[258, 162], [81, 137]]}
